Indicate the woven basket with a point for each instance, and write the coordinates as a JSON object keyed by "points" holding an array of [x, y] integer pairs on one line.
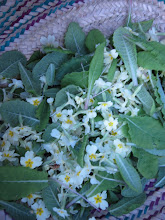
{"points": [[23, 22]]}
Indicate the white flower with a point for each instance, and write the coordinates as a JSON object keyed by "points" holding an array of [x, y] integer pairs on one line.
{"points": [[43, 79], [30, 199], [93, 180], [50, 101], [79, 100], [93, 218], [50, 147], [91, 113], [5, 145], [121, 148], [8, 155], [151, 35], [49, 41], [100, 83], [30, 161], [103, 106], [35, 100], [108, 58], [91, 151], [99, 200], [16, 83], [55, 133], [40, 210], [111, 124], [12, 135], [68, 123], [61, 212], [66, 179]]}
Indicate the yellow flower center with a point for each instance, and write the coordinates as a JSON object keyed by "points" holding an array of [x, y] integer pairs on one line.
{"points": [[109, 115], [98, 199], [27, 148], [69, 121], [67, 178], [36, 102], [109, 91], [58, 115], [111, 57], [30, 196], [148, 77], [104, 104], [120, 145], [110, 124], [6, 155], [102, 156], [3, 144], [91, 100], [78, 173], [29, 163], [114, 160], [113, 133], [39, 211], [92, 156], [11, 133], [61, 211]]}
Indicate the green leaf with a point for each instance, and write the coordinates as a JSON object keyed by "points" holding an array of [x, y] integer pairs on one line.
{"points": [[38, 149], [18, 211], [51, 49], [156, 152], [128, 192], [112, 69], [154, 56], [62, 98], [126, 205], [104, 184], [129, 174], [43, 113], [146, 132], [147, 101], [127, 51], [81, 152], [41, 67], [95, 69], [51, 92], [9, 63], [19, 182], [50, 75], [75, 39], [34, 59], [142, 26], [76, 64], [161, 177], [46, 136], [93, 38], [49, 195], [77, 79], [149, 61], [30, 84], [160, 91], [12, 110]]}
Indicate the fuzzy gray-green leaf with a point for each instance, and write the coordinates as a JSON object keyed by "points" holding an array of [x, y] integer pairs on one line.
{"points": [[30, 84], [50, 75], [129, 174], [18, 211], [127, 51], [75, 39], [19, 182], [12, 110], [9, 63]]}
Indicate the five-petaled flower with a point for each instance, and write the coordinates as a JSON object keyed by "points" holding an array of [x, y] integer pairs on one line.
{"points": [[30, 160], [99, 200]]}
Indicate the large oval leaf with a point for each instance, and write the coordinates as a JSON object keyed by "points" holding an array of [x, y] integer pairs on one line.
{"points": [[129, 174], [126, 205], [19, 182], [41, 67], [18, 211], [127, 51], [12, 110], [9, 63]]}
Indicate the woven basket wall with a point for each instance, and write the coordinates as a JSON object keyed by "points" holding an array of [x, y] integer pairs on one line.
{"points": [[23, 22]]}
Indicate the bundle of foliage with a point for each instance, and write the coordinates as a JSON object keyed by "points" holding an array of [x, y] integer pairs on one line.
{"points": [[82, 127]]}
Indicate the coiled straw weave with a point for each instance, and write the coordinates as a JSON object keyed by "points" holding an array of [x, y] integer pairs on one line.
{"points": [[23, 22]]}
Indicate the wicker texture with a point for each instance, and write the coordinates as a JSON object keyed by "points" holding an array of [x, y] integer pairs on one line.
{"points": [[23, 22]]}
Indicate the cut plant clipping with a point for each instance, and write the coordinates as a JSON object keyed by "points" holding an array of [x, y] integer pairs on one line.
{"points": [[83, 125]]}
